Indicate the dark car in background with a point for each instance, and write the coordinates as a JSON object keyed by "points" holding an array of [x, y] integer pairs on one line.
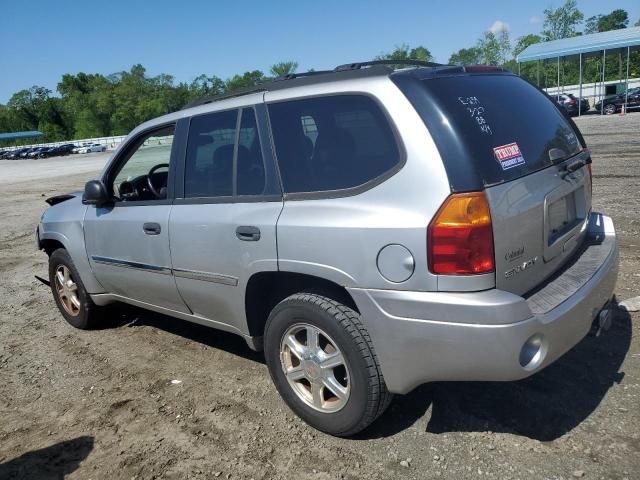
{"points": [[613, 103], [571, 104], [57, 151]]}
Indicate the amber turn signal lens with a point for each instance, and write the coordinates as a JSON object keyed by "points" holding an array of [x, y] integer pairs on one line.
{"points": [[460, 237]]}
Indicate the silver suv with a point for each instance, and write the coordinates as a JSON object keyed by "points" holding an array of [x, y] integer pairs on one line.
{"points": [[370, 229]]}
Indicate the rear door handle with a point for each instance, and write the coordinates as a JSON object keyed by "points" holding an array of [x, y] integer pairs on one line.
{"points": [[151, 228], [248, 233]]}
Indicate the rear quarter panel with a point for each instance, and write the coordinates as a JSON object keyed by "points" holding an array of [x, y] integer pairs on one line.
{"points": [[339, 238]]}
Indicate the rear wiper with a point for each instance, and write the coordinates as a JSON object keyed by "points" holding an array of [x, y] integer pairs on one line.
{"points": [[557, 155], [575, 165]]}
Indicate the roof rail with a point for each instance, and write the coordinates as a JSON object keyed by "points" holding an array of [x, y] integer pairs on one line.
{"points": [[221, 96], [359, 65], [310, 73]]}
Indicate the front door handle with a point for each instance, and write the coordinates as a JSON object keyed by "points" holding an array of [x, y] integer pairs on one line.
{"points": [[248, 233], [151, 228]]}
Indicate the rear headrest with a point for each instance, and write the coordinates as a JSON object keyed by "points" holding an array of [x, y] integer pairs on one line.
{"points": [[223, 154]]}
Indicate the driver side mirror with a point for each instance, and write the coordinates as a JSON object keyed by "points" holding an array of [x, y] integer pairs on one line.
{"points": [[95, 193]]}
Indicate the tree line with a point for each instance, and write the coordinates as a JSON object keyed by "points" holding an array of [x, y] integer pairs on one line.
{"points": [[495, 47], [96, 105]]}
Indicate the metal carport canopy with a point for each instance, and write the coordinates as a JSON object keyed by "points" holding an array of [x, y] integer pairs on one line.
{"points": [[595, 42], [18, 135]]}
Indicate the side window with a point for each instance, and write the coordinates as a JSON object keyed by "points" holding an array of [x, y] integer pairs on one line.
{"points": [[250, 174], [331, 143], [152, 151], [209, 160]]}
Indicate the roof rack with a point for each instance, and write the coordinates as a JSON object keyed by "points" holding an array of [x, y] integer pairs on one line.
{"points": [[359, 65], [221, 96], [304, 78], [310, 73]]}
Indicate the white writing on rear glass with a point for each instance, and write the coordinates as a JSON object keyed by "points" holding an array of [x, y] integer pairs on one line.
{"points": [[476, 110]]}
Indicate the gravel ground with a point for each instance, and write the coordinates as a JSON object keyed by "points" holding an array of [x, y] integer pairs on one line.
{"points": [[102, 404]]}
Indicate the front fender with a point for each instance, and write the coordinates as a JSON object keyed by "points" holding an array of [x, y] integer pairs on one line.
{"points": [[63, 224]]}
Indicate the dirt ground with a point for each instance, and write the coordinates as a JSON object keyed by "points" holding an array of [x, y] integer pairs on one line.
{"points": [[102, 404]]}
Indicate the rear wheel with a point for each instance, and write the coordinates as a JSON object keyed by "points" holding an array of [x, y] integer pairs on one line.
{"points": [[69, 293], [323, 364], [609, 109]]}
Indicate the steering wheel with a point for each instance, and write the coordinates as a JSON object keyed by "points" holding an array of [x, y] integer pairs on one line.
{"points": [[157, 193]]}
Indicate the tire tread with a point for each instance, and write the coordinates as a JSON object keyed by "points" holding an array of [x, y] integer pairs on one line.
{"points": [[349, 319]]}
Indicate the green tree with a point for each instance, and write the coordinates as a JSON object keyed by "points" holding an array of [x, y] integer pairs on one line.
{"points": [[562, 22], [246, 80], [490, 48], [615, 20], [283, 69], [466, 56], [525, 41], [504, 44], [404, 52]]}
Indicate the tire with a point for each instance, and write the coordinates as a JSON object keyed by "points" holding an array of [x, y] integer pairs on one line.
{"points": [[85, 314], [340, 331], [609, 109]]}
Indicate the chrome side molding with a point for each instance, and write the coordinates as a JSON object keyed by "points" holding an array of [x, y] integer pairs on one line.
{"points": [[178, 272]]}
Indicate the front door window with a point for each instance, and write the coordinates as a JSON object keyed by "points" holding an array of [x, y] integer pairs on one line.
{"points": [[145, 172]]}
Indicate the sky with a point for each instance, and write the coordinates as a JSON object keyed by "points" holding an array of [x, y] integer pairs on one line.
{"points": [[40, 40]]}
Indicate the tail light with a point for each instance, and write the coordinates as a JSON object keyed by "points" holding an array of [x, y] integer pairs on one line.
{"points": [[460, 237], [590, 177], [571, 101]]}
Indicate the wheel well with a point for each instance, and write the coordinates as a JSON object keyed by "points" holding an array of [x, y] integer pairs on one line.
{"points": [[50, 246], [266, 289]]}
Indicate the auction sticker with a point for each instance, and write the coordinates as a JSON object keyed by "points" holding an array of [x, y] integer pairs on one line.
{"points": [[508, 156]]}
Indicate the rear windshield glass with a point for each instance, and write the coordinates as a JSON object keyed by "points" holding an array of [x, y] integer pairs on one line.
{"points": [[497, 127]]}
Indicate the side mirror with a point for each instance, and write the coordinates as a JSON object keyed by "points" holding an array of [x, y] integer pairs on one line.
{"points": [[95, 193]]}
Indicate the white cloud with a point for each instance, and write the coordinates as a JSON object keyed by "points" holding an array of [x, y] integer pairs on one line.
{"points": [[498, 26], [535, 20]]}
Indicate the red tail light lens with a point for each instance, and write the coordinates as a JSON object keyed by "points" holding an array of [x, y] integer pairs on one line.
{"points": [[460, 237]]}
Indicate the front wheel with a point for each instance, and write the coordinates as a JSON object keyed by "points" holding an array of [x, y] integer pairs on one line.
{"points": [[609, 109], [69, 293], [323, 364]]}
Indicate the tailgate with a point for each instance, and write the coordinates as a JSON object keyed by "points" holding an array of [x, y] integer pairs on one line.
{"points": [[498, 133], [538, 222]]}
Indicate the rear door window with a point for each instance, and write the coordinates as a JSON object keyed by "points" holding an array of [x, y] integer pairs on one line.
{"points": [[332, 142], [209, 159]]}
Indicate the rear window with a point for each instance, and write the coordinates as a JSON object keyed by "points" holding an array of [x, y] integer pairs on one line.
{"points": [[491, 128], [331, 143]]}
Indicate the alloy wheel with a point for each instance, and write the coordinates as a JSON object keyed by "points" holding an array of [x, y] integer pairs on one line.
{"points": [[67, 290], [315, 368]]}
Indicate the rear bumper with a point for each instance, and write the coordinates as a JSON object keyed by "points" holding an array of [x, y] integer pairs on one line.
{"points": [[422, 337]]}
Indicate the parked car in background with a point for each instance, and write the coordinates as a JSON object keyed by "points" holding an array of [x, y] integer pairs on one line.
{"points": [[79, 147], [92, 147], [26, 152], [613, 103], [35, 153], [15, 154], [571, 104], [57, 151]]}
